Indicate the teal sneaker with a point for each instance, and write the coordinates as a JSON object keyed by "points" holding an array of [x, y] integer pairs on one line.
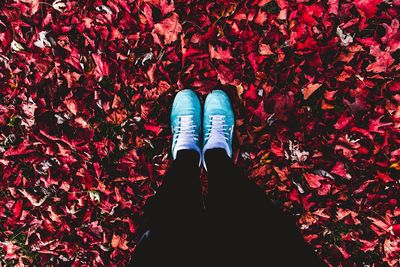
{"points": [[186, 122], [218, 123]]}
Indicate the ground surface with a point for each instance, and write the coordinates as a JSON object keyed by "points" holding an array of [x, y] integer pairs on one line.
{"points": [[85, 92]]}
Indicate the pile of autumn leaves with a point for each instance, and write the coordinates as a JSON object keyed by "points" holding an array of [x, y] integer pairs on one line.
{"points": [[86, 90]]}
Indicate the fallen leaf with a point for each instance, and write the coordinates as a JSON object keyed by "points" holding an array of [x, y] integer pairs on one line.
{"points": [[310, 89], [169, 28]]}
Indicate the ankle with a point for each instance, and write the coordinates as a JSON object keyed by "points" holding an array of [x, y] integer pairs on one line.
{"points": [[188, 155], [215, 157]]}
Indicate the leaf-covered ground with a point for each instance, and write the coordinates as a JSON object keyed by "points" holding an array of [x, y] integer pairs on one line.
{"points": [[85, 93]]}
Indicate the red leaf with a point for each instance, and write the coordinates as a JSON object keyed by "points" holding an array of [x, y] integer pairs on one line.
{"points": [[383, 60], [265, 50], [396, 229], [71, 105], [384, 177], [169, 28], [345, 254], [259, 111], [219, 53], [225, 74], [324, 189], [375, 125], [17, 209], [21, 149], [119, 242], [254, 61], [282, 4], [261, 17], [310, 238], [102, 67], [368, 7], [153, 128], [10, 250], [340, 170], [149, 15], [251, 93], [74, 59], [277, 149], [342, 122], [379, 223], [333, 6], [313, 180], [310, 89], [392, 36], [368, 245]]}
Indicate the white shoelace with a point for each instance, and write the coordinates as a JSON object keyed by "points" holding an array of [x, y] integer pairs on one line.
{"points": [[217, 126], [185, 130]]}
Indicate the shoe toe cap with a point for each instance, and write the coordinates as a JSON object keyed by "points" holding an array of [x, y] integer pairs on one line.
{"points": [[218, 102], [185, 100]]}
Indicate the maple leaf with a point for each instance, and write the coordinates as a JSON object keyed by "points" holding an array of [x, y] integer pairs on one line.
{"points": [[169, 28], [313, 180], [375, 125], [340, 170], [153, 128], [265, 50], [391, 249], [71, 105], [225, 74], [261, 17], [119, 242], [33, 6], [383, 60], [219, 53], [384, 177], [392, 36], [164, 5], [71, 78], [29, 108], [102, 68], [368, 7], [368, 245], [74, 59], [333, 6], [32, 199], [117, 117], [10, 248]]}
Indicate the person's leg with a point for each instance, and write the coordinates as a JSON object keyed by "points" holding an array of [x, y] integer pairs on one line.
{"points": [[250, 228], [246, 228], [171, 231]]}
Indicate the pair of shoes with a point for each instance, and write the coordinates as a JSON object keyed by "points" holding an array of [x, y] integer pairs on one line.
{"points": [[188, 123]]}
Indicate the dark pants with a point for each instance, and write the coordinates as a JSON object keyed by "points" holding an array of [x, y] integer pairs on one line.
{"points": [[235, 226]]}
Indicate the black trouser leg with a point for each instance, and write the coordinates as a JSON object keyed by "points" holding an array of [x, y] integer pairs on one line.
{"points": [[246, 228], [171, 233]]}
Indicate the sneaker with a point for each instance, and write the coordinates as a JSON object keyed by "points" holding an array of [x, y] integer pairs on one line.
{"points": [[218, 123], [186, 122]]}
